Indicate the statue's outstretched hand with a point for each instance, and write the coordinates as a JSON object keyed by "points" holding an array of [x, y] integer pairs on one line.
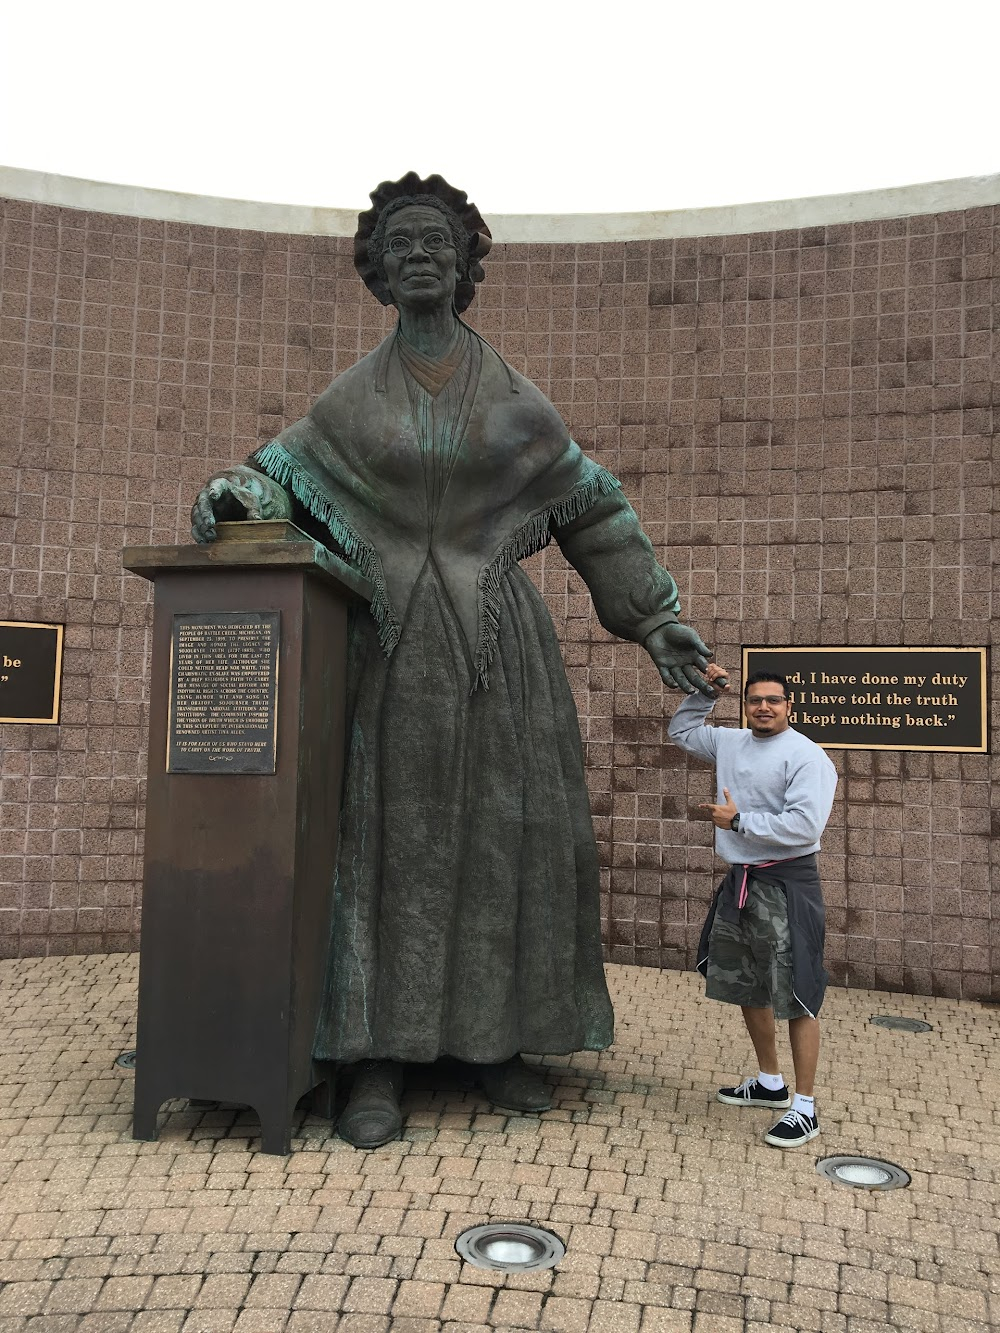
{"points": [[229, 498], [680, 657]]}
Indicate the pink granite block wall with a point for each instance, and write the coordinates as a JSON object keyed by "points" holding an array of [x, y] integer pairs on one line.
{"points": [[804, 419]]}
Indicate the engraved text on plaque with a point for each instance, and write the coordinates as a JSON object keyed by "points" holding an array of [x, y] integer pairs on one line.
{"points": [[223, 692]]}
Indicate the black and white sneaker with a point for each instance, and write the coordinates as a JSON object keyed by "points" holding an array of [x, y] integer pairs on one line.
{"points": [[752, 1093], [793, 1129]]}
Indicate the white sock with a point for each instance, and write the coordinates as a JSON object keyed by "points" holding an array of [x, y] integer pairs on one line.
{"points": [[773, 1082], [806, 1105]]}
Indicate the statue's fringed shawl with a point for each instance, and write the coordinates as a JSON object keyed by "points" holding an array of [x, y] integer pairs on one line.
{"points": [[334, 479], [531, 537], [279, 464]]}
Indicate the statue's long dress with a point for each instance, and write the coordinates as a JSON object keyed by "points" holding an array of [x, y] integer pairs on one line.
{"points": [[466, 914], [466, 908]]}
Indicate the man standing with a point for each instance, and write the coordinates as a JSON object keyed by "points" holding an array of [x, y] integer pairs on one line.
{"points": [[762, 944]]}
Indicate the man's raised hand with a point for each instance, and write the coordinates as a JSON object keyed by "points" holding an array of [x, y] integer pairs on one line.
{"points": [[717, 677]]}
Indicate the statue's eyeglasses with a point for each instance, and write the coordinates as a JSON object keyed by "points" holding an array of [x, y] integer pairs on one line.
{"points": [[431, 243], [773, 699]]}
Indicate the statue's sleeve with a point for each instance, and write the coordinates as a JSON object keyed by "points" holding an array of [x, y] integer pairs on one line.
{"points": [[633, 594]]}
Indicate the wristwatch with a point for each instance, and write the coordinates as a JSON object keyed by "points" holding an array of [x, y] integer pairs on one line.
{"points": [[734, 823]]}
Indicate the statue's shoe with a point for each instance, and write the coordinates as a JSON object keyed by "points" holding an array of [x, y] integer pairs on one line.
{"points": [[514, 1086], [372, 1115]]}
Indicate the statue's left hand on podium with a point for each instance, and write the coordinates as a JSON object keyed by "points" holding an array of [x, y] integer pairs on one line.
{"points": [[232, 496]]}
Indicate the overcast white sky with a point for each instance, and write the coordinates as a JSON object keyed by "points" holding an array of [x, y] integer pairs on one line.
{"points": [[533, 106]]}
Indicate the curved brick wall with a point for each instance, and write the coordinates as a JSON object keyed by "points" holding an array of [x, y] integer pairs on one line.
{"points": [[804, 420]]}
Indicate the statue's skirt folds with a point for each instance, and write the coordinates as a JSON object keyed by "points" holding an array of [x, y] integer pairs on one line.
{"points": [[466, 909]]}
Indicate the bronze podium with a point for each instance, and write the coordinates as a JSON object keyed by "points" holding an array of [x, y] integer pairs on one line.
{"points": [[246, 746]]}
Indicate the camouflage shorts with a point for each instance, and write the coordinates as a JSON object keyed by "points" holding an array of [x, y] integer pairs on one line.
{"points": [[750, 963]]}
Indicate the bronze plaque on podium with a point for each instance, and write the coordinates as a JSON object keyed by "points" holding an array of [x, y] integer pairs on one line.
{"points": [[223, 692], [246, 723]]}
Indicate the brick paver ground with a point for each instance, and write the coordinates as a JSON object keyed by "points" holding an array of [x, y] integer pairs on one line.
{"points": [[677, 1218]]}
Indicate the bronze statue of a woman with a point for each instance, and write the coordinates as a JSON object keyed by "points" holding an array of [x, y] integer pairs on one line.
{"points": [[465, 916]]}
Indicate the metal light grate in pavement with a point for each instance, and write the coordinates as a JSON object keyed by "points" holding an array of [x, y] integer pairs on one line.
{"points": [[897, 1024], [511, 1247], [865, 1173]]}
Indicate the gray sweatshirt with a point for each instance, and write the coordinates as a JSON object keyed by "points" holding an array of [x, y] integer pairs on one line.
{"points": [[783, 785]]}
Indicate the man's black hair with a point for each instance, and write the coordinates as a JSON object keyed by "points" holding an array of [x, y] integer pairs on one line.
{"points": [[760, 677]]}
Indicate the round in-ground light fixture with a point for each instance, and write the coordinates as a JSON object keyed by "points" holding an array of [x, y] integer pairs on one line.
{"points": [[896, 1024], [126, 1060], [511, 1247], [864, 1173]]}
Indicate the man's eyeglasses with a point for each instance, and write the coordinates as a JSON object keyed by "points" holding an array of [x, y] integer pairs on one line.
{"points": [[773, 699], [431, 243]]}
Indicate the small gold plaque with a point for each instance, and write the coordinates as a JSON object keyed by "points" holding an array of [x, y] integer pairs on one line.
{"points": [[30, 671]]}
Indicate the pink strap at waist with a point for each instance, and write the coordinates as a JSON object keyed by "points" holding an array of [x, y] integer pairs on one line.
{"points": [[742, 899]]}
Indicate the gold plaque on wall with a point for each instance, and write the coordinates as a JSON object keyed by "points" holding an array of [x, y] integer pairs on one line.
{"points": [[883, 698], [30, 671]]}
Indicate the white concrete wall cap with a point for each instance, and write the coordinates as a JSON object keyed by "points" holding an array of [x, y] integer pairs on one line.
{"points": [[548, 228]]}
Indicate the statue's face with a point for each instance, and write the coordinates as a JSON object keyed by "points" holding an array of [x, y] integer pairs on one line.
{"points": [[420, 262]]}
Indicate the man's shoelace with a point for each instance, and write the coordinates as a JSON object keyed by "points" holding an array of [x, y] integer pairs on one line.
{"points": [[798, 1120]]}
